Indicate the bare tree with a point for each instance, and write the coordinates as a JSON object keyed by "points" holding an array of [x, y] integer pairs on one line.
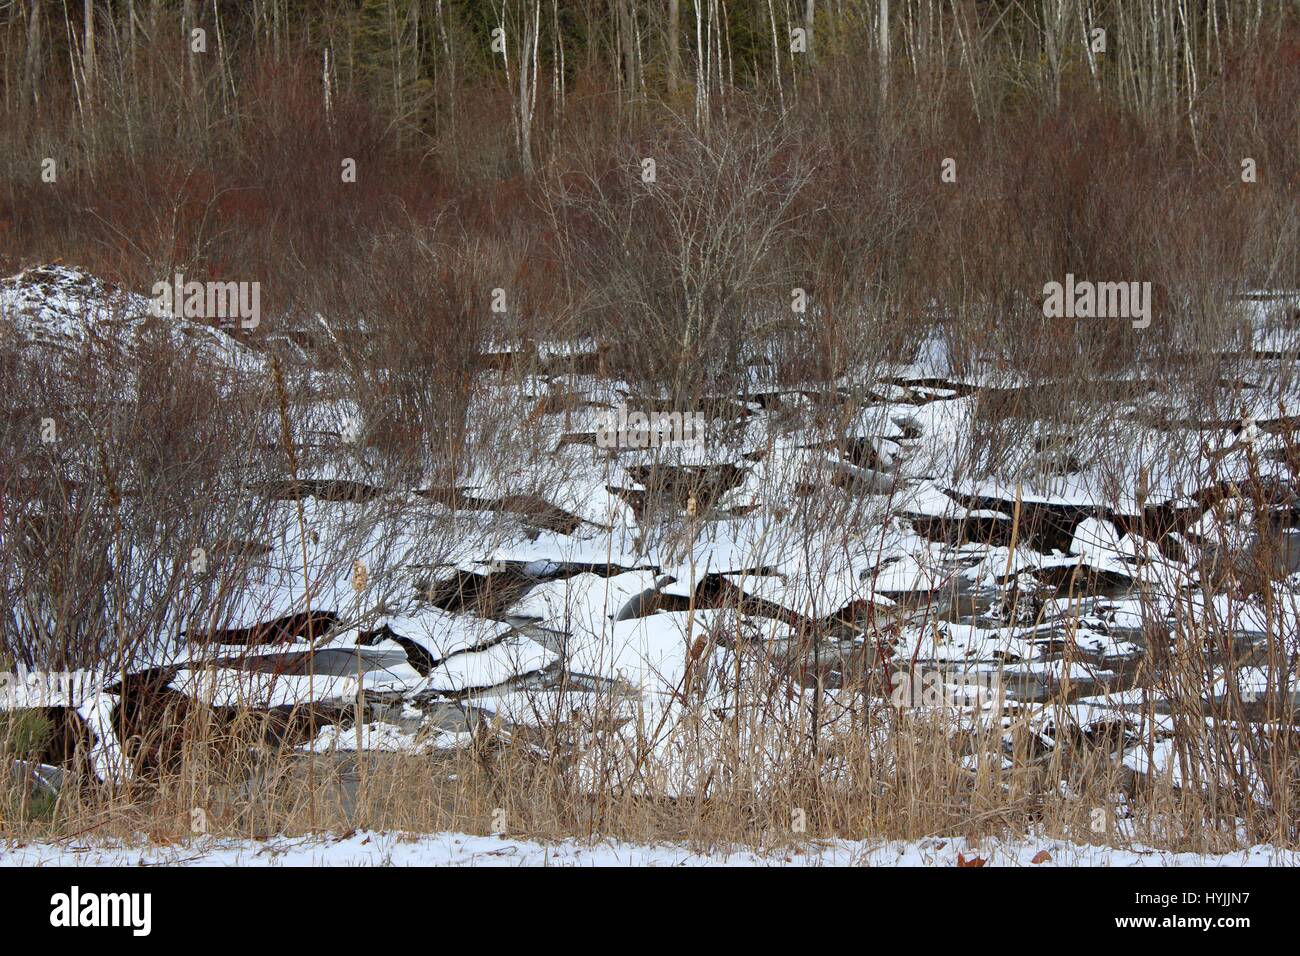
{"points": [[31, 89], [527, 103], [809, 15], [688, 269], [88, 54], [674, 42], [884, 50]]}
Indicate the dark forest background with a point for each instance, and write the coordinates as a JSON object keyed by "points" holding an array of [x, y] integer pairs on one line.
{"points": [[798, 143]]}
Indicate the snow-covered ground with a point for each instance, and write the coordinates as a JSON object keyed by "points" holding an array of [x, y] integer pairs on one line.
{"points": [[677, 602], [461, 849]]}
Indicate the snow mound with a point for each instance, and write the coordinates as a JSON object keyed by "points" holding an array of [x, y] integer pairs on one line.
{"points": [[65, 313]]}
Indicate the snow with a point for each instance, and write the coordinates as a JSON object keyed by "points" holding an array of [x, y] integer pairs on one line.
{"points": [[649, 652], [227, 687], [442, 633], [373, 848], [65, 311], [476, 670], [383, 736], [584, 603]]}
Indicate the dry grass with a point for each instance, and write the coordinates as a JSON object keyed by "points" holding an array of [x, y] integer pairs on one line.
{"points": [[890, 777]]}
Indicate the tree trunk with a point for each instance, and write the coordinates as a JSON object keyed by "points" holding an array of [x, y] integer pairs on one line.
{"points": [[674, 54], [187, 24], [528, 86], [809, 15], [88, 48], [31, 70], [776, 55], [701, 71], [884, 51], [627, 41]]}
